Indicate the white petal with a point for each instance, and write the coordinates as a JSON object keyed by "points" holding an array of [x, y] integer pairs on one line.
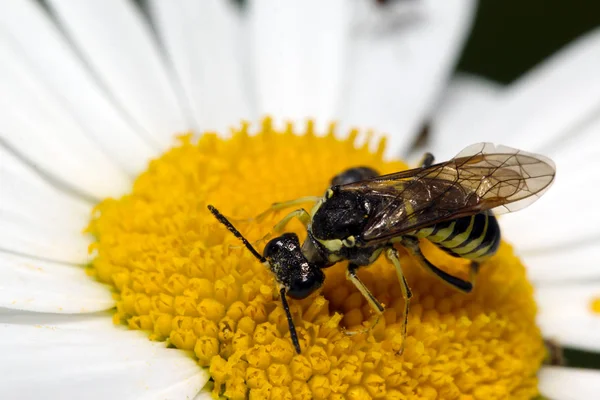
{"points": [[82, 363], [48, 59], [90, 321], [569, 383], [466, 100], [551, 100], [203, 395], [38, 220], [562, 217], [565, 314], [117, 43], [23, 237], [203, 41], [44, 286], [35, 124], [571, 262], [299, 52], [396, 74]]}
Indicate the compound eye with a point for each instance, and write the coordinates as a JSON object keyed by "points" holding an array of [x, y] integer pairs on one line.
{"points": [[305, 283], [287, 242], [352, 175]]}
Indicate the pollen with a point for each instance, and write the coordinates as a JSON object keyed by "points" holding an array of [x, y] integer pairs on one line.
{"points": [[180, 276], [595, 305]]}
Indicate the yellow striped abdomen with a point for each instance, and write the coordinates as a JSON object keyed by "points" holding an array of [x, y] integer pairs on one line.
{"points": [[475, 238]]}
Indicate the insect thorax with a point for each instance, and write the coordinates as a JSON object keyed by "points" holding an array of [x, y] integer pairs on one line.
{"points": [[341, 215]]}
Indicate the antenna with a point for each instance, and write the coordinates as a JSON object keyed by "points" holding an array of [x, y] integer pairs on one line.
{"points": [[221, 218], [291, 325]]}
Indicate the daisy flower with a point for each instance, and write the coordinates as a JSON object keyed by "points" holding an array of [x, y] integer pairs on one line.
{"points": [[94, 90]]}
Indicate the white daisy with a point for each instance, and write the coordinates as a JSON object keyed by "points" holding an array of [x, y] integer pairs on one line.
{"points": [[90, 93]]}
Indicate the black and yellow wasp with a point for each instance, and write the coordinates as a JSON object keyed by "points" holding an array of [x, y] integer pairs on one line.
{"points": [[363, 215]]}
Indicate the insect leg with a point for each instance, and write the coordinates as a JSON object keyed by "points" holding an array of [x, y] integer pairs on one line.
{"points": [[426, 160], [301, 214], [473, 270], [286, 204], [392, 255], [412, 245], [291, 325], [373, 302]]}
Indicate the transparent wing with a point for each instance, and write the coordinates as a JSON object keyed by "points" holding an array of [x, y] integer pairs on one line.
{"points": [[482, 177], [504, 179]]}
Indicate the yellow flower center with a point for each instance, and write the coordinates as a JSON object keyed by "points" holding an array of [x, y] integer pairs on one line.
{"points": [[181, 276], [595, 305]]}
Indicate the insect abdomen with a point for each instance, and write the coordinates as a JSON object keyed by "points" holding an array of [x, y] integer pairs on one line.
{"points": [[476, 237]]}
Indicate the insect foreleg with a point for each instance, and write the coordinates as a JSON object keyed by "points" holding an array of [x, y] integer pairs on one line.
{"points": [[412, 245], [286, 204], [291, 325], [301, 214], [392, 255], [373, 302]]}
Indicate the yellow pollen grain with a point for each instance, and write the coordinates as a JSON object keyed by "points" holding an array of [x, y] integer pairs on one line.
{"points": [[183, 278], [595, 305]]}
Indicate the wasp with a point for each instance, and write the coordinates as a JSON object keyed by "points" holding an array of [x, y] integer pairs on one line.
{"points": [[364, 215]]}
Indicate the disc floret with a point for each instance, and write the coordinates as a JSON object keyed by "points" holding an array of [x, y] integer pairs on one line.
{"points": [[180, 276]]}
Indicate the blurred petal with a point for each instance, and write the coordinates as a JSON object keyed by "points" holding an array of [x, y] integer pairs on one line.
{"points": [[115, 41], [43, 60], [561, 228], [467, 99], [396, 73], [567, 263], [38, 220], [298, 57], [44, 286], [565, 314], [550, 101], [202, 39], [96, 364], [559, 383]]}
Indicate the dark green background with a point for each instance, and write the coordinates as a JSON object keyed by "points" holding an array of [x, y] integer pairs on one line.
{"points": [[511, 36]]}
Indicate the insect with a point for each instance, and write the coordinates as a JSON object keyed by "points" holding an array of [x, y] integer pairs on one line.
{"points": [[363, 215]]}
